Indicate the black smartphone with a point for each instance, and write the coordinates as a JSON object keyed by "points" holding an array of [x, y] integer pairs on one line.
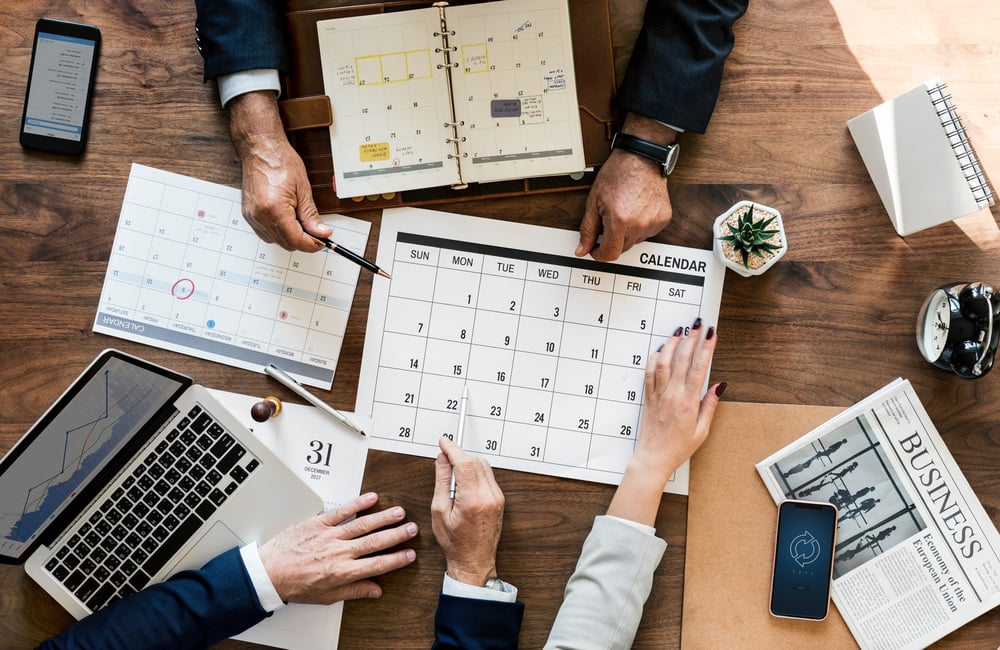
{"points": [[60, 86], [803, 559]]}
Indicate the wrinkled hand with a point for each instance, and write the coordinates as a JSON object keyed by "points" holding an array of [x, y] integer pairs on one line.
{"points": [[628, 203], [468, 527], [325, 559], [277, 197]]}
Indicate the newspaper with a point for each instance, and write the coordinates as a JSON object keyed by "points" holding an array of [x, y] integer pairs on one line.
{"points": [[917, 556]]}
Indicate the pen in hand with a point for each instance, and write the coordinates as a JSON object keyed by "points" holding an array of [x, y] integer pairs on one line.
{"points": [[354, 257], [461, 432]]}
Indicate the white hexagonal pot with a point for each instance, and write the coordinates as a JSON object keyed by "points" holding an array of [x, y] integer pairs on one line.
{"points": [[730, 257]]}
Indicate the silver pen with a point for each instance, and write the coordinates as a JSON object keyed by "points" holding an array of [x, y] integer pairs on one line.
{"points": [[289, 382], [461, 432]]}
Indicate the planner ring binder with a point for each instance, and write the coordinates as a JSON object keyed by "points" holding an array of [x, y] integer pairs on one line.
{"points": [[446, 51], [307, 109], [499, 74]]}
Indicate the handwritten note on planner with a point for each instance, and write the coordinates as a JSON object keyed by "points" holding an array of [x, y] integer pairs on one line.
{"points": [[187, 274], [553, 347]]}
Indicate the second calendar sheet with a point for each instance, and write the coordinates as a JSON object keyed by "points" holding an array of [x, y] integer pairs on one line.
{"points": [[552, 348]]}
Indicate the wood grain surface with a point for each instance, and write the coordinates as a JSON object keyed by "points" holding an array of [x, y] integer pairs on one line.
{"points": [[828, 325]]}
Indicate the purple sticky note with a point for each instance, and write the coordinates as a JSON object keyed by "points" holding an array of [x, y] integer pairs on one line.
{"points": [[505, 108]]}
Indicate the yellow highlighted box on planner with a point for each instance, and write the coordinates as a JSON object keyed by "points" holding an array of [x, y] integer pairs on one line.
{"points": [[374, 151]]}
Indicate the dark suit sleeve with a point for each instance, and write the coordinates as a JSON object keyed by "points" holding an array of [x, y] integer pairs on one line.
{"points": [[236, 35], [473, 624], [676, 66], [193, 609]]}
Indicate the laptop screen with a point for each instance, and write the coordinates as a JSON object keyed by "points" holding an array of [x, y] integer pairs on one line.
{"points": [[80, 434]]}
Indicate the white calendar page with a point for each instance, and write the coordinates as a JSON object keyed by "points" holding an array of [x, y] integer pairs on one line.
{"points": [[515, 90], [186, 273], [390, 102], [552, 347]]}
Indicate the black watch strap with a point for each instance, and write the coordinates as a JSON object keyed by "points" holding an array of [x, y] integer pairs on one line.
{"points": [[665, 156]]}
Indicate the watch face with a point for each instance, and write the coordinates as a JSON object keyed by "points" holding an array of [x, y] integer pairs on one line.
{"points": [[932, 325], [673, 153]]}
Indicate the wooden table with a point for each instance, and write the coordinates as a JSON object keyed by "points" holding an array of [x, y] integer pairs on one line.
{"points": [[828, 325]]}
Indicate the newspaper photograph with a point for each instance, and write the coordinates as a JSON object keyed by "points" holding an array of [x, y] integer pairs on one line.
{"points": [[916, 556]]}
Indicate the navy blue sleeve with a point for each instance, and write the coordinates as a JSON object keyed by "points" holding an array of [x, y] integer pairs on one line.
{"points": [[473, 624], [676, 66], [193, 609], [236, 35]]}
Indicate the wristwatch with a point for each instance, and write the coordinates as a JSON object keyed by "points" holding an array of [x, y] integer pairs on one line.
{"points": [[496, 584], [665, 157]]}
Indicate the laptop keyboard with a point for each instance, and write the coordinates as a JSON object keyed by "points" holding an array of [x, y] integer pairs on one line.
{"points": [[154, 510]]}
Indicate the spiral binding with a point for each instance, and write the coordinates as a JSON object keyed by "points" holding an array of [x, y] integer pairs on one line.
{"points": [[959, 140]]}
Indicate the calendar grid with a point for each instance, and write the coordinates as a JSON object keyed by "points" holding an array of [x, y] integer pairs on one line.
{"points": [[187, 274], [552, 347]]}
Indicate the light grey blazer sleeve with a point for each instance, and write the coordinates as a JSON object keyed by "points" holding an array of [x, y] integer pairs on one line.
{"points": [[604, 597]]}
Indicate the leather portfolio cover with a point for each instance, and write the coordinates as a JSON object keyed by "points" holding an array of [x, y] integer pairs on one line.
{"points": [[730, 535], [593, 61]]}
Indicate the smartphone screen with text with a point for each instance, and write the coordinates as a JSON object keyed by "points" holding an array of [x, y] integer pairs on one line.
{"points": [[60, 85]]}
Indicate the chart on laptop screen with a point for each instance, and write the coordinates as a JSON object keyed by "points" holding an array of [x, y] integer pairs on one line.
{"points": [[187, 274], [551, 347], [79, 440]]}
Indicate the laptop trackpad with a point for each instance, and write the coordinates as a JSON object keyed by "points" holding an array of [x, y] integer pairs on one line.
{"points": [[216, 539]]}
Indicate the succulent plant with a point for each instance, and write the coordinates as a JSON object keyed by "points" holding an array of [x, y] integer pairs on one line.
{"points": [[751, 237]]}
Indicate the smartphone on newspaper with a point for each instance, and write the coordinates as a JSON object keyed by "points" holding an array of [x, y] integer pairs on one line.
{"points": [[802, 573], [61, 78]]}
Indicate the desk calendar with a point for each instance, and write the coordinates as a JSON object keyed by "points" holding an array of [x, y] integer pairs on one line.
{"points": [[331, 460], [187, 274], [552, 347]]}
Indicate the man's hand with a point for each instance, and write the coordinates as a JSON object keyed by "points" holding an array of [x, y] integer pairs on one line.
{"points": [[628, 202], [468, 527], [277, 197], [324, 560]]}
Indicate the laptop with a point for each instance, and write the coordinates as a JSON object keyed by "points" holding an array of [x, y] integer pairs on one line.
{"points": [[132, 475]]}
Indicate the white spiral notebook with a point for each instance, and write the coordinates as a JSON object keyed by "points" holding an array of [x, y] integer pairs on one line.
{"points": [[920, 159]]}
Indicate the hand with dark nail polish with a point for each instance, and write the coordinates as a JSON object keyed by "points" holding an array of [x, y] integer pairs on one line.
{"points": [[675, 421]]}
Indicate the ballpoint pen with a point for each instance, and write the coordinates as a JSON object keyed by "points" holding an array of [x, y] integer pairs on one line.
{"points": [[461, 432], [289, 382], [354, 257]]}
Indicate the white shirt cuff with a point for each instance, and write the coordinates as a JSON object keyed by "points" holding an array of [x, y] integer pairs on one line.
{"points": [[452, 587], [246, 81], [266, 593], [669, 126], [635, 524]]}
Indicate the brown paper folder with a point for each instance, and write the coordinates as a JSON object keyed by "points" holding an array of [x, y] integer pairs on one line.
{"points": [[730, 535]]}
